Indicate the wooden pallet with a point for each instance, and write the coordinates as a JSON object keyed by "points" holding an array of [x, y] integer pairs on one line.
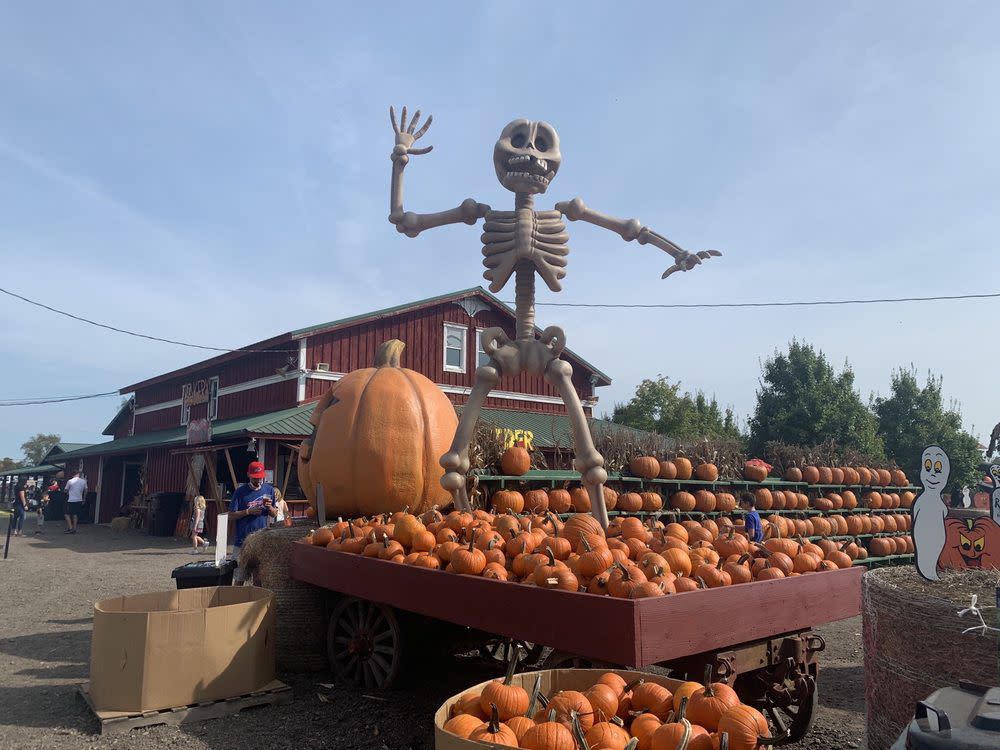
{"points": [[275, 693]]}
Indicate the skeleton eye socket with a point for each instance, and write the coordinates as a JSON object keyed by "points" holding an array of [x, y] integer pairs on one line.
{"points": [[518, 140], [541, 144]]}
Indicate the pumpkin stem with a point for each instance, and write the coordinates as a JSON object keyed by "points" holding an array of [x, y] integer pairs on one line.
{"points": [[535, 693], [629, 687], [681, 710], [512, 666], [724, 741], [634, 743], [555, 529], [586, 544], [709, 692], [617, 721], [472, 540], [552, 558], [743, 558], [552, 715], [494, 719], [388, 353], [578, 735], [701, 582]]}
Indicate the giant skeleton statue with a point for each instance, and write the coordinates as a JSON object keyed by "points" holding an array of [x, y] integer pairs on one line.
{"points": [[521, 243]]}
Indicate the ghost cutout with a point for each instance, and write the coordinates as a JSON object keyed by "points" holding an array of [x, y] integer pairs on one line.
{"points": [[929, 511], [995, 494]]}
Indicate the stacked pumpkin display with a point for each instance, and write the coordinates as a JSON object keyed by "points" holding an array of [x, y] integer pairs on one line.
{"points": [[851, 476], [612, 714], [633, 559]]}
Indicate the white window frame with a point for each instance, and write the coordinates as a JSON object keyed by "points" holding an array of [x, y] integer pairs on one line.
{"points": [[213, 398], [185, 408], [479, 348], [463, 331]]}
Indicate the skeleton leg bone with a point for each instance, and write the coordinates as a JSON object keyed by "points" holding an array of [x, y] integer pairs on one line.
{"points": [[456, 460], [588, 461]]}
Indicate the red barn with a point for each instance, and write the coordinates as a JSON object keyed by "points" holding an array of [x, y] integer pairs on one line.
{"points": [[195, 429]]}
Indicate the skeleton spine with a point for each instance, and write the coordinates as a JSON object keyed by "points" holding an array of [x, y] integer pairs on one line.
{"points": [[524, 276]]}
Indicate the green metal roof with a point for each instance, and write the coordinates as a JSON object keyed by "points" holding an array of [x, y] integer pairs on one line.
{"points": [[60, 448], [126, 406], [30, 470], [548, 430], [292, 422]]}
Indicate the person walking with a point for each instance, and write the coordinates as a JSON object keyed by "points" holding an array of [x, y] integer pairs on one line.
{"points": [[40, 512], [198, 524], [76, 492], [20, 507]]}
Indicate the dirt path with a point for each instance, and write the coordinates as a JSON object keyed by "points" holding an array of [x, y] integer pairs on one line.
{"points": [[51, 582]]}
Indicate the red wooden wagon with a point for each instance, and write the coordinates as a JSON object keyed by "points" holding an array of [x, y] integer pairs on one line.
{"points": [[756, 635]]}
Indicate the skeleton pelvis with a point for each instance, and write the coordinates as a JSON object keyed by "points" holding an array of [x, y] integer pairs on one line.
{"points": [[532, 356]]}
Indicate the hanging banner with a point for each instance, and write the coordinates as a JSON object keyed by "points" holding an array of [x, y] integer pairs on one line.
{"points": [[199, 431]]}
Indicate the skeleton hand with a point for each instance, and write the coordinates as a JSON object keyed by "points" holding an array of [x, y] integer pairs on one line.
{"points": [[687, 261], [405, 137]]}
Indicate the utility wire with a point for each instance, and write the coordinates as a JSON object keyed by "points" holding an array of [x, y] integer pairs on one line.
{"points": [[52, 399], [800, 303], [140, 335]]}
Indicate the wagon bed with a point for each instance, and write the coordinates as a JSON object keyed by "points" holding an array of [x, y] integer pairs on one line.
{"points": [[645, 631]]}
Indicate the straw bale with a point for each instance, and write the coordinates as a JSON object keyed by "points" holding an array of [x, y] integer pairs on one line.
{"points": [[301, 609], [913, 642]]}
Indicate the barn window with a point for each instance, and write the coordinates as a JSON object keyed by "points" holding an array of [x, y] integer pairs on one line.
{"points": [[213, 397], [482, 358], [454, 347]]}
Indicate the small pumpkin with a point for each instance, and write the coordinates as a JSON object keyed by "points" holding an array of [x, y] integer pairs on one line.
{"points": [[494, 731], [746, 727], [548, 735], [645, 467], [667, 470], [707, 705], [706, 472], [682, 501], [683, 466], [515, 461], [504, 699]]}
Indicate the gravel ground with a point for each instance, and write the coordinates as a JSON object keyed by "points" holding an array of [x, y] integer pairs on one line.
{"points": [[52, 581]]}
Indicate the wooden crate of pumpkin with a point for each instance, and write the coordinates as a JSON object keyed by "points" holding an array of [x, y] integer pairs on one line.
{"points": [[593, 709]]}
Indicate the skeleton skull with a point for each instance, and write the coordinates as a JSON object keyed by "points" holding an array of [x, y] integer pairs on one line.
{"points": [[526, 156]]}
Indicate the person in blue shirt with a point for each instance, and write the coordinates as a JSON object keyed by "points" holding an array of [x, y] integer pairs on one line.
{"points": [[252, 505], [752, 524]]}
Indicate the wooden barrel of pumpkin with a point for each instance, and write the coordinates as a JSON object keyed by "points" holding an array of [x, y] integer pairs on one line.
{"points": [[913, 642], [301, 623]]}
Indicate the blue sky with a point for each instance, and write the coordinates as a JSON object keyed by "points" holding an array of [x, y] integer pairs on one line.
{"points": [[218, 172]]}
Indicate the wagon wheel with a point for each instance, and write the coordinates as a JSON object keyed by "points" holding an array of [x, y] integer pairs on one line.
{"points": [[364, 644], [562, 660], [790, 707], [499, 650]]}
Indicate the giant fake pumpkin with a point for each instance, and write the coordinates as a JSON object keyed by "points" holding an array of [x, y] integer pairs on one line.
{"points": [[378, 435], [970, 543]]}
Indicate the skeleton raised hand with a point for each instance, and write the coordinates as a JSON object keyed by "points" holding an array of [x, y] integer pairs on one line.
{"points": [[521, 243]]}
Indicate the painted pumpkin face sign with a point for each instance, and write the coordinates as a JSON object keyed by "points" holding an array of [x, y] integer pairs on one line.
{"points": [[972, 543]]}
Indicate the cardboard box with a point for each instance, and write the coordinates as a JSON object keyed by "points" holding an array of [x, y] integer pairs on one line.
{"points": [[553, 680], [176, 648]]}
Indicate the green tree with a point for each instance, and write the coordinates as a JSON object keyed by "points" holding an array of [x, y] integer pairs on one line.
{"points": [[803, 401], [36, 447], [7, 463], [659, 406], [912, 417]]}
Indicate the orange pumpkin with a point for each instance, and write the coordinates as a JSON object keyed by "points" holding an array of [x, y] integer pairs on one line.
{"points": [[646, 467], [515, 461], [379, 434], [683, 466]]}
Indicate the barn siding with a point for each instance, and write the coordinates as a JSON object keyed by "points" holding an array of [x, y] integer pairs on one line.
{"points": [[166, 472], [423, 333]]}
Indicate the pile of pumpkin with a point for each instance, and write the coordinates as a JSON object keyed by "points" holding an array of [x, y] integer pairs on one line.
{"points": [[632, 559], [610, 715], [755, 470]]}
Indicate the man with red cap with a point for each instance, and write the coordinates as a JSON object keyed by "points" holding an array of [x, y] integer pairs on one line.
{"points": [[252, 505]]}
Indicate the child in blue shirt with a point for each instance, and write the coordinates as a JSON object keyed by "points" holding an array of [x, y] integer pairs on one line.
{"points": [[752, 524]]}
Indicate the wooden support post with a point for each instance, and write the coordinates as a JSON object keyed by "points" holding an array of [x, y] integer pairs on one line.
{"points": [[288, 473], [220, 503], [232, 471]]}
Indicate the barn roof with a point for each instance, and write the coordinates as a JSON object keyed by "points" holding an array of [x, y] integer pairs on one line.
{"points": [[333, 325]]}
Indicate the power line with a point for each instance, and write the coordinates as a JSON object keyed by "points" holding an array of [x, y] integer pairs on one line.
{"points": [[139, 335], [799, 303], [53, 399]]}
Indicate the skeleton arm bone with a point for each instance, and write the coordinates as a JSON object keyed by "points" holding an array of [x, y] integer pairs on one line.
{"points": [[407, 222], [632, 229]]}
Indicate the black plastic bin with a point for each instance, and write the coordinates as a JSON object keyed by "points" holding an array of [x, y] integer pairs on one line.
{"points": [[195, 575], [962, 718], [164, 507]]}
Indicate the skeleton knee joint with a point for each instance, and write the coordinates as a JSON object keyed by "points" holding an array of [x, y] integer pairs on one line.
{"points": [[470, 211], [631, 229], [560, 368]]}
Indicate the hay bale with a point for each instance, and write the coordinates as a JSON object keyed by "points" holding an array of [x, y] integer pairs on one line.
{"points": [[913, 642], [301, 610]]}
